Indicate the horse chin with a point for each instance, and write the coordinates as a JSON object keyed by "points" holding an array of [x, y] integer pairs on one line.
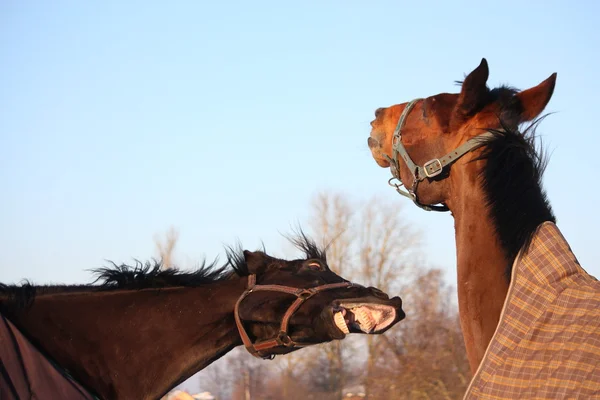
{"points": [[382, 162]]}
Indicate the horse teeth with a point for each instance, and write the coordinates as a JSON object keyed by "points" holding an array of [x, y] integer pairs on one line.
{"points": [[338, 318], [365, 320]]}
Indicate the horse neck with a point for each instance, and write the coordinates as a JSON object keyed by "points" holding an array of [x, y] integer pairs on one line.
{"points": [[135, 344], [481, 264]]}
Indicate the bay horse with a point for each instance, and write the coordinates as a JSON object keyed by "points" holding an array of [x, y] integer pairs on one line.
{"points": [[464, 153], [140, 330]]}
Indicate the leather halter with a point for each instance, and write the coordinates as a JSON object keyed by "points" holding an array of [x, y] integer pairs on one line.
{"points": [[431, 168], [282, 339]]}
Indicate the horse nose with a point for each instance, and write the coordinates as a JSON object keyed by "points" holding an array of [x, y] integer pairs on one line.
{"points": [[378, 293], [372, 143]]}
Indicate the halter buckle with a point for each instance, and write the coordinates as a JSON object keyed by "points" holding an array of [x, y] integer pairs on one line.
{"points": [[433, 168], [284, 339], [305, 294]]}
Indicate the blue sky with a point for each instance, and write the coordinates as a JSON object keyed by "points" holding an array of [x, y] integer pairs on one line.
{"points": [[223, 119]]}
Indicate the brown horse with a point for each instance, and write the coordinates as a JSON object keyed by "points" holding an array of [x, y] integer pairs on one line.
{"points": [[463, 152], [143, 330], [529, 311]]}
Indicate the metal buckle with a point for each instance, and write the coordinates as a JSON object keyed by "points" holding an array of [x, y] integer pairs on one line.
{"points": [[285, 339], [395, 185], [304, 294], [437, 169]]}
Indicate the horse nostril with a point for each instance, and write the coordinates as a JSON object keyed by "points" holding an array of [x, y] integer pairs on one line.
{"points": [[378, 112], [372, 143]]}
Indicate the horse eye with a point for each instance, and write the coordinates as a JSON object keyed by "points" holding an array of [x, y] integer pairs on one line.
{"points": [[315, 265]]}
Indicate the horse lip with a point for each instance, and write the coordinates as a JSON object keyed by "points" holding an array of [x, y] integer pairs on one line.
{"points": [[395, 302]]}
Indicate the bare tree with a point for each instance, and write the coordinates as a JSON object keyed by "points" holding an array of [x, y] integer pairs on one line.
{"points": [[331, 222], [387, 248], [165, 248], [372, 244], [217, 379], [425, 354]]}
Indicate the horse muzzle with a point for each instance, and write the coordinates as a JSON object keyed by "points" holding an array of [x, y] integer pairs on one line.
{"points": [[371, 315]]}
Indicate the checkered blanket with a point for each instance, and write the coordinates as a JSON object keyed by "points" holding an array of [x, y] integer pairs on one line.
{"points": [[547, 343]]}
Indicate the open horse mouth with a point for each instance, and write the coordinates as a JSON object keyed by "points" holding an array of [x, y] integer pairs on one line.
{"points": [[364, 317]]}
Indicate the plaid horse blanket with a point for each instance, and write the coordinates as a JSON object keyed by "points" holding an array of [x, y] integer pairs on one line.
{"points": [[547, 343], [26, 374]]}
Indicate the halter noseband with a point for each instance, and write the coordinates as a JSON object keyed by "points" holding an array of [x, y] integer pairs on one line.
{"points": [[282, 339], [431, 168]]}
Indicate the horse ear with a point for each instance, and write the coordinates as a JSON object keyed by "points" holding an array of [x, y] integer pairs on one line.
{"points": [[255, 260], [534, 100], [474, 90]]}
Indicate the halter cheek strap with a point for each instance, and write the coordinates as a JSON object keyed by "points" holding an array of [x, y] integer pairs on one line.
{"points": [[282, 339], [431, 168]]}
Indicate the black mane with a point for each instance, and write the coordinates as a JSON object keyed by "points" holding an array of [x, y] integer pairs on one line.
{"points": [[150, 275], [308, 246], [512, 181], [512, 176]]}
